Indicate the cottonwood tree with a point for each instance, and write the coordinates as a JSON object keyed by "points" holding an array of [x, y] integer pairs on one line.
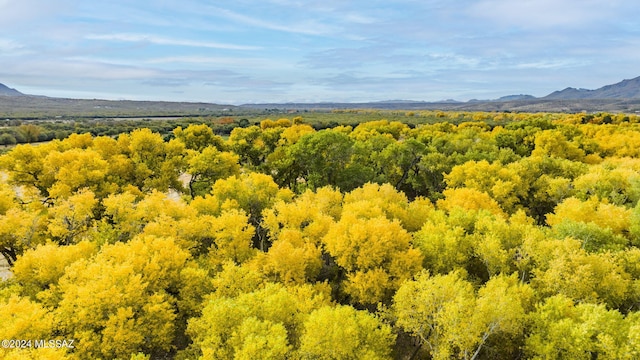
{"points": [[447, 316], [561, 329], [122, 301], [267, 323], [376, 254], [343, 332]]}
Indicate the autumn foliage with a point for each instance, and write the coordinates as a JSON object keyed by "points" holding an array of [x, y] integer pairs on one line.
{"points": [[380, 241]]}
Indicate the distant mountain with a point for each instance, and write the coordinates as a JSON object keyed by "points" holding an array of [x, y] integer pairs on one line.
{"points": [[626, 89], [7, 91], [516, 97]]}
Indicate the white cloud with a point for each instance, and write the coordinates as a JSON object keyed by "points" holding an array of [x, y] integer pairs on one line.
{"points": [[8, 45], [159, 40], [539, 14]]}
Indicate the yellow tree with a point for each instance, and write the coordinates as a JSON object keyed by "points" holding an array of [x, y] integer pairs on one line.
{"points": [[603, 214], [311, 213], [500, 318], [376, 254], [19, 230], [617, 184], [8, 198], [24, 323], [372, 200], [445, 240], [253, 144], [252, 192], [156, 164], [292, 134], [266, 323], [198, 137], [292, 258], [25, 166], [295, 230], [501, 183], [562, 330], [446, 315], [583, 277], [128, 214], [498, 244], [74, 169], [232, 235], [72, 217], [555, 144], [469, 199], [38, 270], [122, 301], [436, 310], [343, 332], [209, 165]]}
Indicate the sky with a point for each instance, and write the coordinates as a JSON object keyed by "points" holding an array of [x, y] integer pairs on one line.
{"points": [[242, 51]]}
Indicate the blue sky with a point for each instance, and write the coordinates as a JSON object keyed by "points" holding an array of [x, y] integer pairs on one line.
{"points": [[242, 51]]}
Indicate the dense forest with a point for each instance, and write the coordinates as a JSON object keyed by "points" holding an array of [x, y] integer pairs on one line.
{"points": [[428, 235]]}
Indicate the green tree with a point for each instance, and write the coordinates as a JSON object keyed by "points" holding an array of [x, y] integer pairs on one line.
{"points": [[324, 158], [30, 132], [7, 139]]}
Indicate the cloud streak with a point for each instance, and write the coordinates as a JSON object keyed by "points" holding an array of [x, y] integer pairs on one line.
{"points": [[309, 27], [159, 40]]}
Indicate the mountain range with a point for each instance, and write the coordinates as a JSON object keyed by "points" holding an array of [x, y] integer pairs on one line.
{"points": [[626, 89], [623, 96]]}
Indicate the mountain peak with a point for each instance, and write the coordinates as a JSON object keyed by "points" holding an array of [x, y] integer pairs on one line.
{"points": [[625, 89], [7, 91]]}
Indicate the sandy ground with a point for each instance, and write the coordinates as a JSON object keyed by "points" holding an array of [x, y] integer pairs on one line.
{"points": [[5, 273]]}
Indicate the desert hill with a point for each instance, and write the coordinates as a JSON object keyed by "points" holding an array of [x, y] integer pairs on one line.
{"points": [[7, 91], [626, 89]]}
